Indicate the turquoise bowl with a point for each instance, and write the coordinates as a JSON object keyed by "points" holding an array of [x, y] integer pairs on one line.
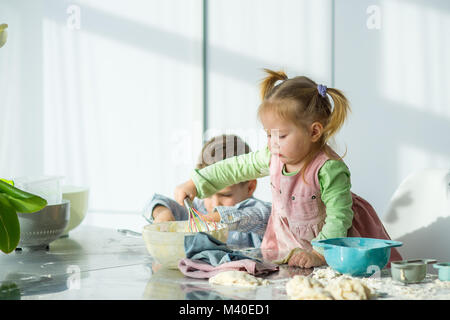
{"points": [[357, 256], [444, 270]]}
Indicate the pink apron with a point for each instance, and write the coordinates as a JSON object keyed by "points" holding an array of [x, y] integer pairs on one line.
{"points": [[298, 213]]}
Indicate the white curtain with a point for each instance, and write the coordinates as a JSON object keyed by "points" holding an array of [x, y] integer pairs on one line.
{"points": [[105, 93], [109, 93]]}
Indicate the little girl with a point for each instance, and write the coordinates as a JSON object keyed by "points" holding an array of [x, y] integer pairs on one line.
{"points": [[311, 197]]}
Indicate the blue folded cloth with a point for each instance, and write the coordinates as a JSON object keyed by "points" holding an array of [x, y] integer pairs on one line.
{"points": [[205, 247]]}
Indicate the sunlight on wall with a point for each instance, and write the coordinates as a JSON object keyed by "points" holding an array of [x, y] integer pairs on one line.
{"points": [[415, 78], [21, 96], [10, 99], [291, 34], [246, 36], [168, 15], [411, 158], [112, 107], [415, 51]]}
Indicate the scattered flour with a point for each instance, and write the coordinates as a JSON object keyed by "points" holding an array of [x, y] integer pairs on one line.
{"points": [[380, 287], [430, 288]]}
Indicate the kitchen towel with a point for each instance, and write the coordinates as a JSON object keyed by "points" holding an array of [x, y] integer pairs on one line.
{"points": [[207, 256], [205, 247]]}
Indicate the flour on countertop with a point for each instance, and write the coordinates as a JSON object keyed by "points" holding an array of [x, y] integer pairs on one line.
{"points": [[386, 287], [237, 278]]}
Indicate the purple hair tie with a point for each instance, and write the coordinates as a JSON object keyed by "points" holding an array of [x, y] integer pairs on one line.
{"points": [[322, 90]]}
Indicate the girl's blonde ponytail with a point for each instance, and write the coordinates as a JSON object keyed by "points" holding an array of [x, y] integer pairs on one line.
{"points": [[268, 82], [338, 115]]}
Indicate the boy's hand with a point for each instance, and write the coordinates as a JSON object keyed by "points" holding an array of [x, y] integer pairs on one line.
{"points": [[187, 189], [305, 259], [162, 214]]}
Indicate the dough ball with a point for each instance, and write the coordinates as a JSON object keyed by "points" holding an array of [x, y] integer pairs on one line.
{"points": [[237, 278], [305, 288], [325, 274], [348, 289]]}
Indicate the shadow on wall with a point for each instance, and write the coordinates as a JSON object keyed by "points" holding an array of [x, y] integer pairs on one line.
{"points": [[402, 201], [428, 242], [395, 81], [419, 215]]}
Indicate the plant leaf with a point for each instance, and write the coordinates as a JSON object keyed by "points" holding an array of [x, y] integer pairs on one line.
{"points": [[9, 290], [9, 226], [7, 181], [28, 205], [20, 200]]}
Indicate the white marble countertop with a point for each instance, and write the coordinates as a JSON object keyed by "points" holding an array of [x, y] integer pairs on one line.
{"points": [[101, 263]]}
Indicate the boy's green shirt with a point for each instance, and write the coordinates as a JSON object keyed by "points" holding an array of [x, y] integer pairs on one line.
{"points": [[334, 179]]}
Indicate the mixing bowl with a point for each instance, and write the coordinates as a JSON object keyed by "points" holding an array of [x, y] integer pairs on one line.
{"points": [[444, 270], [165, 240], [357, 256], [410, 271], [79, 201], [40, 228]]}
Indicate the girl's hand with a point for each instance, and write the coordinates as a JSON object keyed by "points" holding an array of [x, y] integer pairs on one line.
{"points": [[187, 189], [305, 259]]}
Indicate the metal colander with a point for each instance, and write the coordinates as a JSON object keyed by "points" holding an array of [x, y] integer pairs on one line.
{"points": [[40, 228]]}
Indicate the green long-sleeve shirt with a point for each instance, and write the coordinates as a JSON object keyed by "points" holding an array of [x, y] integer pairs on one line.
{"points": [[334, 179]]}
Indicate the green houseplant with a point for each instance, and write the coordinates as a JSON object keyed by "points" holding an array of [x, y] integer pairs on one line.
{"points": [[3, 34], [12, 201]]}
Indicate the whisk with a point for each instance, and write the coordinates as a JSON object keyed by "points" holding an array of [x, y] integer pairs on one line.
{"points": [[197, 221]]}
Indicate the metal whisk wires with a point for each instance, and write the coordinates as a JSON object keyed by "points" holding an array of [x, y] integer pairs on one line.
{"points": [[197, 221]]}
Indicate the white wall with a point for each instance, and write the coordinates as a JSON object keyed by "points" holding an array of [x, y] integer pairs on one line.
{"points": [[113, 103], [246, 36], [397, 79]]}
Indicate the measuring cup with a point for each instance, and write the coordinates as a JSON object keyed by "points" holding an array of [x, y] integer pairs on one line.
{"points": [[410, 271]]}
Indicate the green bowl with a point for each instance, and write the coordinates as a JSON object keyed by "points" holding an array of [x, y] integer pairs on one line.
{"points": [[444, 270], [410, 271]]}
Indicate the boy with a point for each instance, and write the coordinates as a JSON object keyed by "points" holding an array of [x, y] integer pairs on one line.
{"points": [[234, 206]]}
